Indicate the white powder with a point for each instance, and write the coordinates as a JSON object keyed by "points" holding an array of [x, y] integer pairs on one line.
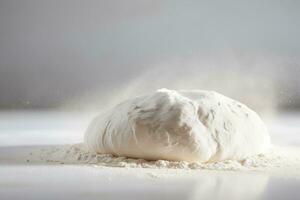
{"points": [[194, 126], [280, 159], [197, 130]]}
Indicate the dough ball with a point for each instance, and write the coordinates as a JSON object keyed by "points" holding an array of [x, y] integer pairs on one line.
{"points": [[194, 126]]}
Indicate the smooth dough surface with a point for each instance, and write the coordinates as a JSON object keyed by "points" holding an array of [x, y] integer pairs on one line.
{"points": [[194, 125]]}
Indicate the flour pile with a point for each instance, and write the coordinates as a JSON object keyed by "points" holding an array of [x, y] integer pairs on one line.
{"points": [[192, 126], [279, 159]]}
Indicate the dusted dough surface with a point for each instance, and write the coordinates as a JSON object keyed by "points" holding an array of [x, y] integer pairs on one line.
{"points": [[194, 126]]}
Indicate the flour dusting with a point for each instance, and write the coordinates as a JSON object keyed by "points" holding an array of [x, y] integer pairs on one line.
{"points": [[278, 159]]}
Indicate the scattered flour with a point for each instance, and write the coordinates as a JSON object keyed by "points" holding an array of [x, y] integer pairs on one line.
{"points": [[280, 159]]}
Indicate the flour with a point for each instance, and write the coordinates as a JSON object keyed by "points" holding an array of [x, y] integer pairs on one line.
{"points": [[279, 159], [191, 126]]}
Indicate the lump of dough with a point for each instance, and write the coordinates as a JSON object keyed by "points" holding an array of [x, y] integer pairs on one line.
{"points": [[194, 126]]}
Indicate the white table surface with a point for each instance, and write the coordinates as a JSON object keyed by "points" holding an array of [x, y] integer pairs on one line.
{"points": [[22, 132]]}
